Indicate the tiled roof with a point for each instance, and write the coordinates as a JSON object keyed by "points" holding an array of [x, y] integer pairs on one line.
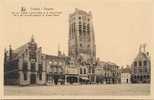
{"points": [[20, 49]]}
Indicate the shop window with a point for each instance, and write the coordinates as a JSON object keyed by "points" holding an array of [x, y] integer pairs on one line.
{"points": [[25, 76], [134, 77], [40, 76]]}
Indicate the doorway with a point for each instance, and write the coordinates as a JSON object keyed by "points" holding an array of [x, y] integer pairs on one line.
{"points": [[33, 79], [127, 80], [72, 80]]}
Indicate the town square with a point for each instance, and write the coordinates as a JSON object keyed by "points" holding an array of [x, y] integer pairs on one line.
{"points": [[92, 58], [80, 90]]}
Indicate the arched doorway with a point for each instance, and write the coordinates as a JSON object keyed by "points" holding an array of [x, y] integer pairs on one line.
{"points": [[127, 80]]}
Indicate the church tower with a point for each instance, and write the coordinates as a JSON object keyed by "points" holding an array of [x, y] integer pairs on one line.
{"points": [[81, 36]]}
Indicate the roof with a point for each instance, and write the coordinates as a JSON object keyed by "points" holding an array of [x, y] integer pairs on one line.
{"points": [[81, 12], [20, 49], [51, 57], [103, 63], [111, 63], [142, 55], [125, 70]]}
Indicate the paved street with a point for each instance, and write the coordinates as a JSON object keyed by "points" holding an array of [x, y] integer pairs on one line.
{"points": [[100, 90]]}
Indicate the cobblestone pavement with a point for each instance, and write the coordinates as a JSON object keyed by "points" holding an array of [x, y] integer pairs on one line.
{"points": [[97, 90]]}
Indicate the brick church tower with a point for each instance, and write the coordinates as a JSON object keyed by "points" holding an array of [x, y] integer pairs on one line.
{"points": [[81, 42]]}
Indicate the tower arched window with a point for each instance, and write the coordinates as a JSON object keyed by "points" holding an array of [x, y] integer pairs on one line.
{"points": [[84, 27], [74, 27], [84, 70], [80, 70], [88, 28], [80, 27]]}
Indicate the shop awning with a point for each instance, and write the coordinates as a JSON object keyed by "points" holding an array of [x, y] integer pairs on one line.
{"points": [[84, 78]]}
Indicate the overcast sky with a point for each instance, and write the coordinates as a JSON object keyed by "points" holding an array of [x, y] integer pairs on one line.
{"points": [[120, 26]]}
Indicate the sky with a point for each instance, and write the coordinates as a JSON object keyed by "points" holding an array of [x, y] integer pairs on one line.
{"points": [[120, 26]]}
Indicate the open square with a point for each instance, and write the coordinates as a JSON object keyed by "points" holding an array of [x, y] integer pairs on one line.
{"points": [[91, 90]]}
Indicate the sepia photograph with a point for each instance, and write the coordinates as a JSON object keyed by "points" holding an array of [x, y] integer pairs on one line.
{"points": [[84, 49]]}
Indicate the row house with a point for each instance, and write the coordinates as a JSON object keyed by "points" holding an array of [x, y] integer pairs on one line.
{"points": [[126, 75], [107, 73], [141, 66]]}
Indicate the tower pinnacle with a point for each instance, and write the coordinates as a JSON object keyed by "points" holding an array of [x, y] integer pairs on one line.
{"points": [[32, 38]]}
